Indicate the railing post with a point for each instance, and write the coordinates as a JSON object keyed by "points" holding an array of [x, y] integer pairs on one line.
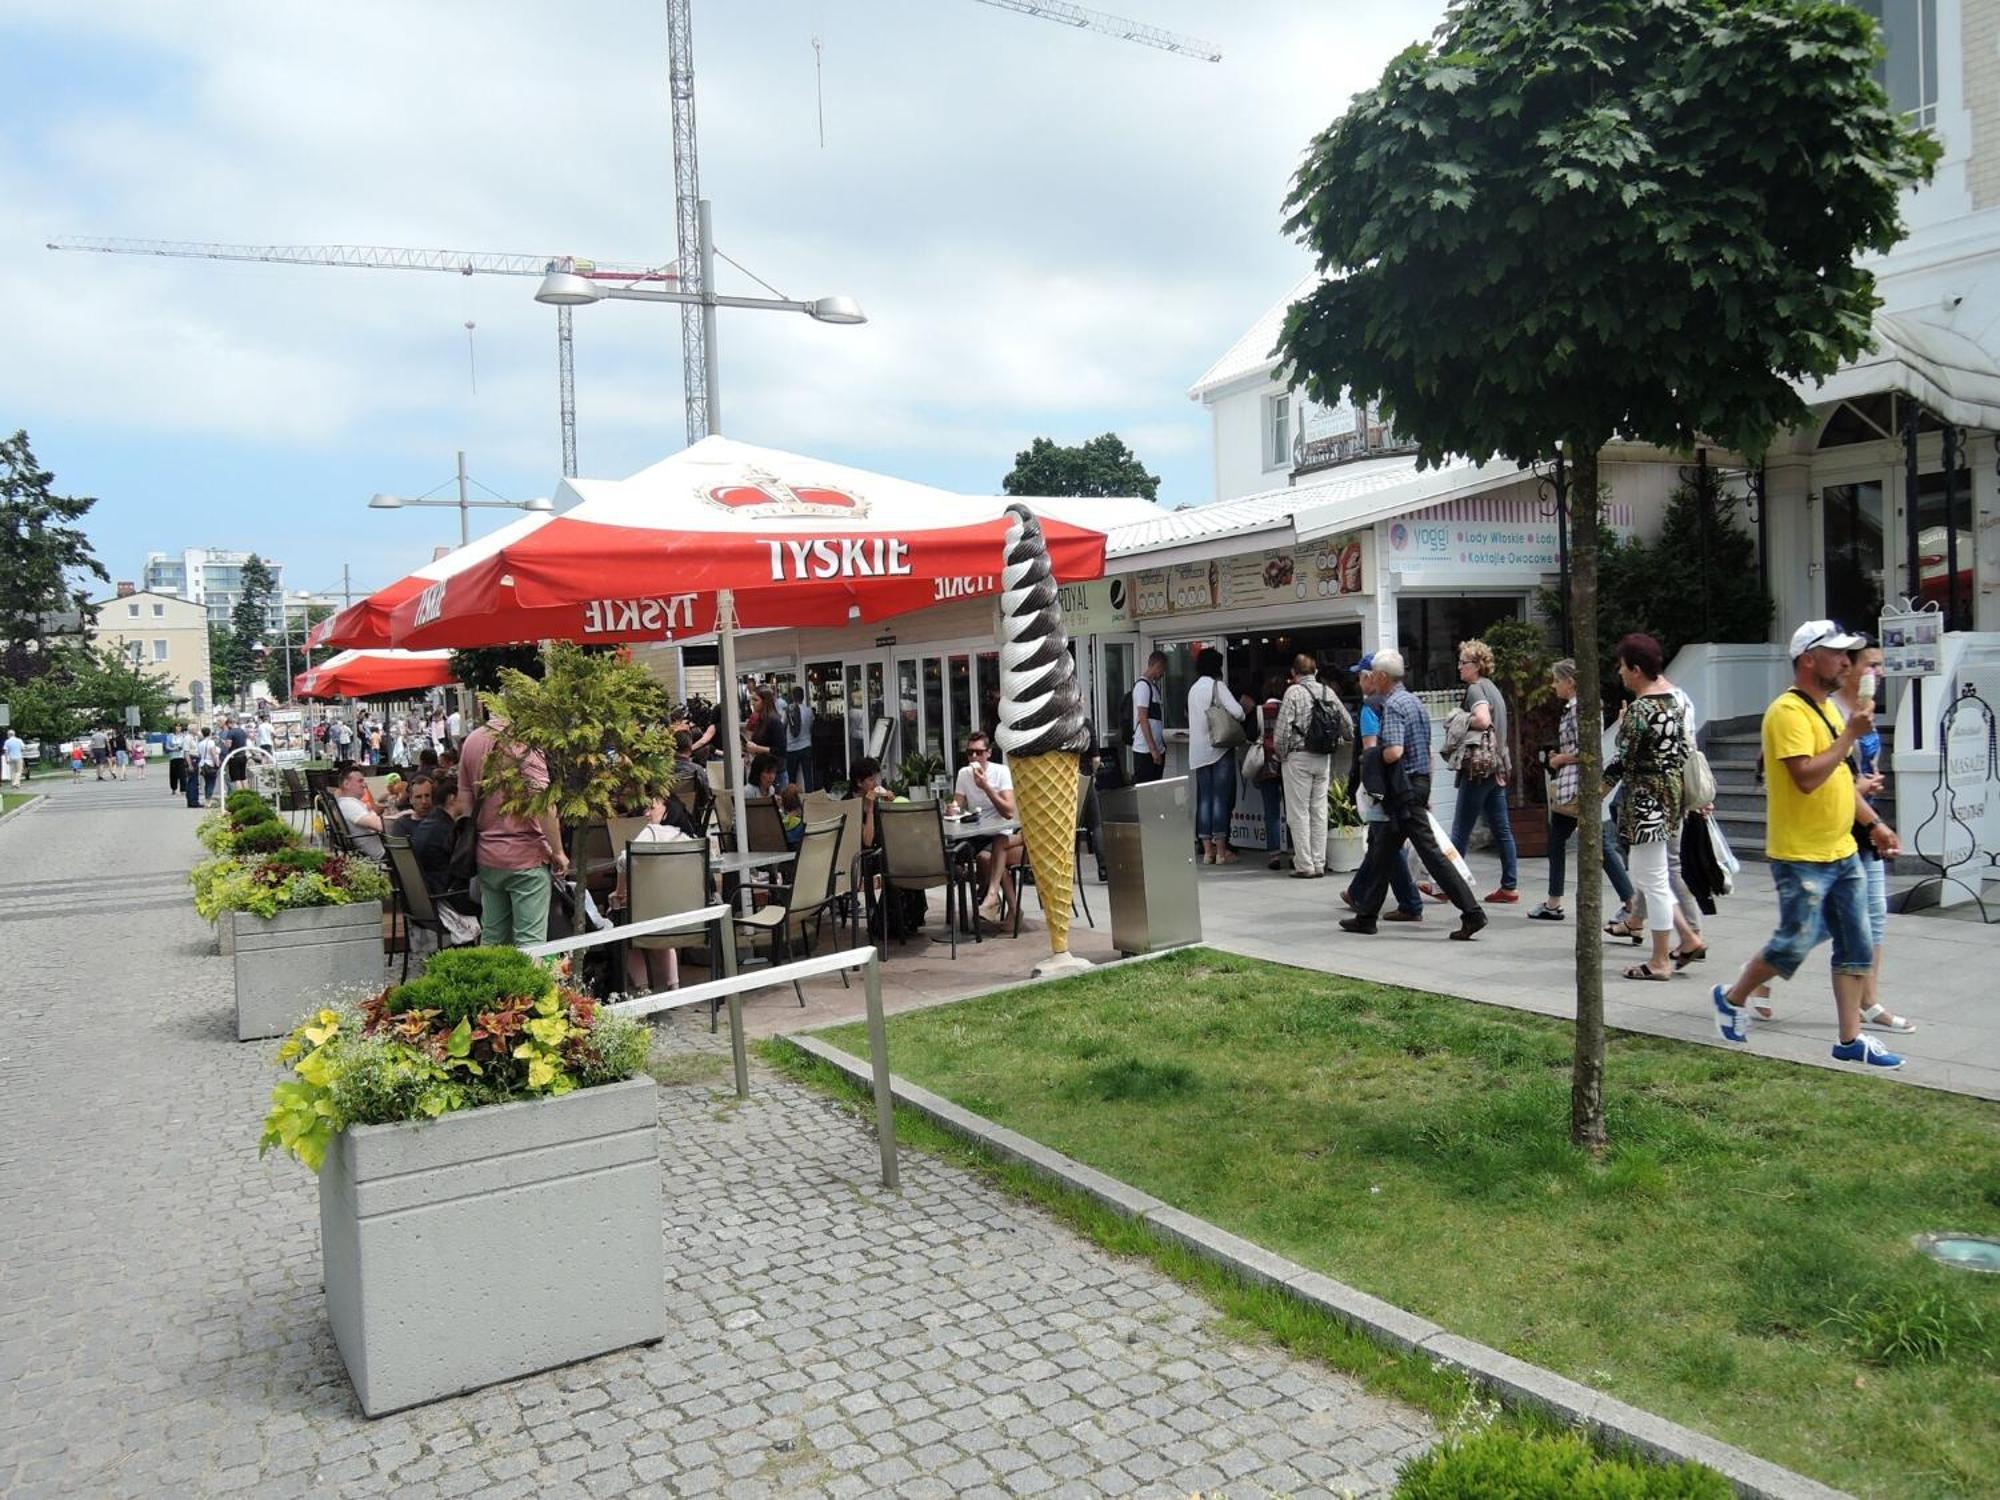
{"points": [[878, 1061], [726, 949]]}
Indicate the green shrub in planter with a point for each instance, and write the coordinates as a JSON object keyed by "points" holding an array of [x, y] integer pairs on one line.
{"points": [[461, 983], [1497, 1461], [266, 837]]}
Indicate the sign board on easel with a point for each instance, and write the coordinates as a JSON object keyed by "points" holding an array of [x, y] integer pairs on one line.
{"points": [[1912, 643]]}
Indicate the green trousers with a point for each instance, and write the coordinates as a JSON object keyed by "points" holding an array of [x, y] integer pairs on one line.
{"points": [[514, 907]]}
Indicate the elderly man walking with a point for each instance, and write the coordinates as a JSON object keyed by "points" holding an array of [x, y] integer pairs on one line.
{"points": [[1405, 753], [1810, 843], [1312, 723]]}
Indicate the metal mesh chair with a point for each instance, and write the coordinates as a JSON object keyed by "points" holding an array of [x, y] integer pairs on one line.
{"points": [[669, 876], [413, 898], [782, 925], [915, 857]]}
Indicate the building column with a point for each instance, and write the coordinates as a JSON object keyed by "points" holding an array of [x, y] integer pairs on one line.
{"points": [[1793, 564], [1981, 451], [1378, 616]]}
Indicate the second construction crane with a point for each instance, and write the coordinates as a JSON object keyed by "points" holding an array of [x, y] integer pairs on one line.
{"points": [[391, 258]]}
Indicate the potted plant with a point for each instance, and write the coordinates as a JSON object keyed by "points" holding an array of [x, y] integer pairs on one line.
{"points": [[487, 1145], [1521, 661], [915, 776], [243, 825], [1346, 836], [298, 924]]}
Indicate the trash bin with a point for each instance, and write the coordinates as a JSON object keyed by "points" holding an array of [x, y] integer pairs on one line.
{"points": [[1148, 833]]}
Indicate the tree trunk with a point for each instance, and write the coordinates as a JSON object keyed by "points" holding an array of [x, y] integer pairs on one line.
{"points": [[1586, 1097]]}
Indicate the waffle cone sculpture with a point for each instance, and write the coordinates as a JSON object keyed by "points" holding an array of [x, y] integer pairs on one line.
{"points": [[1042, 728]]}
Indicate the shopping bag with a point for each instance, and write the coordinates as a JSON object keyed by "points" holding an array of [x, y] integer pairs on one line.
{"points": [[1450, 849], [1725, 857]]}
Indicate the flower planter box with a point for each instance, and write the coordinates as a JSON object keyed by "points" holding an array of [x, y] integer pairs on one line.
{"points": [[300, 960], [225, 934], [487, 1245], [1344, 848]]}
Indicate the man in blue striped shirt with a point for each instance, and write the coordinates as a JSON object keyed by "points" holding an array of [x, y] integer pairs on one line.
{"points": [[1405, 752]]}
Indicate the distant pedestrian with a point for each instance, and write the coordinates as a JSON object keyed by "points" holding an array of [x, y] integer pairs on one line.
{"points": [[1563, 766], [1482, 765], [177, 748], [234, 738], [121, 754], [1405, 757], [799, 740], [1269, 779], [207, 762], [1312, 724], [100, 749], [139, 758], [76, 761], [1653, 747], [1149, 724], [1213, 709], [1812, 813], [15, 756], [266, 739]]}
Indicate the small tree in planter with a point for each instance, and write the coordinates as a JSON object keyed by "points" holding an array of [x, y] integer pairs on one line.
{"points": [[295, 922], [513, 1112]]}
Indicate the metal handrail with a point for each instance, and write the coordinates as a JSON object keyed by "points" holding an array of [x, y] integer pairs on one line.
{"points": [[732, 987]]}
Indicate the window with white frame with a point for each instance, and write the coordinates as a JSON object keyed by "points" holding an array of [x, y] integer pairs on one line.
{"points": [[1909, 70], [132, 610], [159, 611], [159, 649], [1277, 430]]}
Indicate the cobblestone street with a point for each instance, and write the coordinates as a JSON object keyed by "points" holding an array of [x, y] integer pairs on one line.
{"points": [[162, 1330]]}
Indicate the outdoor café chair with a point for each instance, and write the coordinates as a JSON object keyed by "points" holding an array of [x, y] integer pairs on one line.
{"points": [[783, 926], [766, 825], [594, 863], [339, 839], [667, 876], [414, 900], [916, 857]]}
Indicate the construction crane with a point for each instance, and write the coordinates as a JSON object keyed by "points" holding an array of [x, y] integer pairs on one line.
{"points": [[687, 165], [390, 258]]}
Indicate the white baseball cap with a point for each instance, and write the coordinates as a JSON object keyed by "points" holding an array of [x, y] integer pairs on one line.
{"points": [[1817, 633]]}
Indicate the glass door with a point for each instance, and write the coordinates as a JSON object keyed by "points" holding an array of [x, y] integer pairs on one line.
{"points": [[1851, 531], [958, 676], [1120, 656]]}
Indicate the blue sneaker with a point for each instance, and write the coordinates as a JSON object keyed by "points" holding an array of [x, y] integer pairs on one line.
{"points": [[1865, 1049], [1732, 1023]]}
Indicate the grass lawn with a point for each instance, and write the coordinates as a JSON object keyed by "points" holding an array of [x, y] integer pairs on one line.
{"points": [[1740, 1262], [11, 800]]}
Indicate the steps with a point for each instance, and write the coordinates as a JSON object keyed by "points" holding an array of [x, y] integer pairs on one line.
{"points": [[1739, 801]]}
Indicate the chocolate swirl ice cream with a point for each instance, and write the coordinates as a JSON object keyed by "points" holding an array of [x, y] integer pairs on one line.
{"points": [[1041, 711]]}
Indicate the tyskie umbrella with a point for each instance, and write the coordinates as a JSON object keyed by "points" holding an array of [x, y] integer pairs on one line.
{"points": [[371, 674]]}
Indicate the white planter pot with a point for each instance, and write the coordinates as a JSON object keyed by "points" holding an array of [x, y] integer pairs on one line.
{"points": [[1344, 848], [299, 961], [552, 1206]]}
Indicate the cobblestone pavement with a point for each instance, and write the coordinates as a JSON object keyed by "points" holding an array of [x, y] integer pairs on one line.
{"points": [[162, 1330]]}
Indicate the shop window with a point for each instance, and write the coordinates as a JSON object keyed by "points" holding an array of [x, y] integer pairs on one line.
{"points": [[1851, 538], [1277, 430], [1934, 555], [826, 691], [1909, 68], [959, 675], [1428, 631]]}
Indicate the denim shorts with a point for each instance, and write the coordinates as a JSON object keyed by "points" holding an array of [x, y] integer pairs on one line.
{"points": [[1813, 901]]}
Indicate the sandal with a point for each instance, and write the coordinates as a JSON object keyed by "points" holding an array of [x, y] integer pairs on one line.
{"points": [[1640, 971], [1881, 1018], [1619, 929], [1682, 957], [1546, 913], [1759, 1004]]}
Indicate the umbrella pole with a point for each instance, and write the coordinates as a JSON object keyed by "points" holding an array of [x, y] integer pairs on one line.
{"points": [[732, 721]]}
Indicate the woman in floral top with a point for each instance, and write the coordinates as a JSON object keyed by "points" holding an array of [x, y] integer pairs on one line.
{"points": [[1563, 778], [1652, 748]]}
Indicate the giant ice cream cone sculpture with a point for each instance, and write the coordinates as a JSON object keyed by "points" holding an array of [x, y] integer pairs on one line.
{"points": [[1041, 722]]}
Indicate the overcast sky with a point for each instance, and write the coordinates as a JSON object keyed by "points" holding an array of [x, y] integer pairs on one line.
{"points": [[1052, 233]]}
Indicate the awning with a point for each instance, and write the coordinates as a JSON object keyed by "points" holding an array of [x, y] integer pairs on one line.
{"points": [[374, 674], [1953, 376]]}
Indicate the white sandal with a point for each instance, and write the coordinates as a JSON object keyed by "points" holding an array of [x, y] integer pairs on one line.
{"points": [[1881, 1018]]}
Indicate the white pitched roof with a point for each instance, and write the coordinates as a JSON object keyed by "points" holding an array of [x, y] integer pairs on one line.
{"points": [[1251, 354], [1281, 508]]}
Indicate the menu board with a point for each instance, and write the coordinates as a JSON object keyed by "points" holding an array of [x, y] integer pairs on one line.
{"points": [[1327, 570], [1912, 644]]}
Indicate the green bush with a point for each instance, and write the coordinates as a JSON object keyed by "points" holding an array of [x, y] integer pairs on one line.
{"points": [[1499, 1462], [460, 984], [262, 838]]}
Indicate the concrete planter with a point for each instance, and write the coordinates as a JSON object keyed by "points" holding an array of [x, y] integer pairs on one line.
{"points": [[1344, 848], [225, 935], [300, 960], [555, 1200]]}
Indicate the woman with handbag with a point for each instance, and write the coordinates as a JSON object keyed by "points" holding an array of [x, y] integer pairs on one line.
{"points": [[1215, 729], [1653, 746], [1562, 765]]}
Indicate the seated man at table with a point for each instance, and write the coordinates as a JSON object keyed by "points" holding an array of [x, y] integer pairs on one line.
{"points": [[364, 825], [988, 789]]}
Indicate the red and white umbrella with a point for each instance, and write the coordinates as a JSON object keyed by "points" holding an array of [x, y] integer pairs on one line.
{"points": [[790, 540], [373, 674], [365, 623]]}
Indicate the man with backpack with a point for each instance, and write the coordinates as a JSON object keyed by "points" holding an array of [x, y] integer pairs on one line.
{"points": [[1147, 717], [1312, 724], [798, 740]]}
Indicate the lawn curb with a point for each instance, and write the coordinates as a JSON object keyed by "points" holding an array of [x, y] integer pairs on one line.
{"points": [[1512, 1381], [35, 800]]}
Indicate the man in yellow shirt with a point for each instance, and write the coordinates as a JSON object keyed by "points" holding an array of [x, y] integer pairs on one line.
{"points": [[1809, 840]]}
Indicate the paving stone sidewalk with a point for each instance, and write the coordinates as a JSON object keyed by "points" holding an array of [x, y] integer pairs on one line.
{"points": [[162, 1330]]}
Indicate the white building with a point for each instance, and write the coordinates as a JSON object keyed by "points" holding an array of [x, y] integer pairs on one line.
{"points": [[211, 577], [161, 634]]}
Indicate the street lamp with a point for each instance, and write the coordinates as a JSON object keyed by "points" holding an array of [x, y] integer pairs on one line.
{"points": [[466, 505], [562, 288]]}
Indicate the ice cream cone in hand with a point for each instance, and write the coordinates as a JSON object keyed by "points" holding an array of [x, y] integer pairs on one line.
{"points": [[1041, 718]]}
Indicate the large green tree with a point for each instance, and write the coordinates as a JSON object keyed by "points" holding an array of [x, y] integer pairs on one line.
{"points": [[84, 687], [249, 624], [45, 559], [1102, 466], [1563, 222]]}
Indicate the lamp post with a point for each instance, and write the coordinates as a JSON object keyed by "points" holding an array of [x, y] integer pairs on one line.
{"points": [[563, 288], [569, 289], [465, 503]]}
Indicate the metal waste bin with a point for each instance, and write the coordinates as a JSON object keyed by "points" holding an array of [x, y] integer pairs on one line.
{"points": [[1148, 833]]}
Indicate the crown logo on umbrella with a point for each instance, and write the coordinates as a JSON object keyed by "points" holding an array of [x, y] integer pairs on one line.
{"points": [[770, 495]]}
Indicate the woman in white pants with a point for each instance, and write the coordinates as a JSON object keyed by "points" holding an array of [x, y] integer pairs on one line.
{"points": [[1653, 746]]}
